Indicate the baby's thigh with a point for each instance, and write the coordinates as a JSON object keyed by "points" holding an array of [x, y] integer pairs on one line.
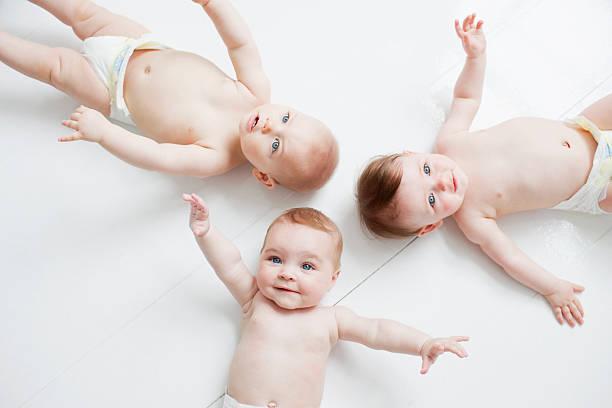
{"points": [[606, 204], [97, 21], [600, 113], [71, 73]]}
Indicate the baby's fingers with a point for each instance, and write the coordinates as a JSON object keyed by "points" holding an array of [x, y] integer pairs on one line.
{"points": [[568, 315], [479, 25], [576, 313], [458, 29], [70, 138], [425, 366], [458, 350], [558, 315], [71, 124]]}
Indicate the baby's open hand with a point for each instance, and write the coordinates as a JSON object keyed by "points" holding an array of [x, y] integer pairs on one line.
{"points": [[472, 37], [432, 348], [88, 124], [564, 302], [198, 219]]}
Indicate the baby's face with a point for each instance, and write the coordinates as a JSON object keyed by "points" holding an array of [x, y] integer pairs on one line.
{"points": [[432, 188], [297, 265], [272, 135]]}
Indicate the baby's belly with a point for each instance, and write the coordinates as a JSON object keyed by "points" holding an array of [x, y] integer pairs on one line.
{"points": [[259, 375], [540, 163], [168, 93]]}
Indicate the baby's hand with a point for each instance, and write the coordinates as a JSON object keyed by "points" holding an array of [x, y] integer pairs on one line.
{"points": [[472, 37], [198, 219], [432, 348], [89, 125], [564, 302]]}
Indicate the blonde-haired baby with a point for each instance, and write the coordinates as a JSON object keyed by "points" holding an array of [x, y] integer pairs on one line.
{"points": [[517, 165], [286, 335], [199, 121]]}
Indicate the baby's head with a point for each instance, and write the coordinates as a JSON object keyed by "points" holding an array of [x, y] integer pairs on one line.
{"points": [[409, 194], [300, 258], [288, 147]]}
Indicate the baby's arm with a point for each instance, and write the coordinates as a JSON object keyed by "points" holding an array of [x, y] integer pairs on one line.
{"points": [[384, 334], [240, 45], [185, 160], [220, 252], [558, 292], [468, 89]]}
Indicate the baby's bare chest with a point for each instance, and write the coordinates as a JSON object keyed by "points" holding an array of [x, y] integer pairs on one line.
{"points": [[182, 98], [524, 164], [290, 331]]}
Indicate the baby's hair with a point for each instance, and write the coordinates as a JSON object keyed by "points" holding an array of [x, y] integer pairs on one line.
{"points": [[376, 189], [315, 167], [311, 218]]}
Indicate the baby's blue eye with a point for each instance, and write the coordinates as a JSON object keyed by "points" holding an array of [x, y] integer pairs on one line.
{"points": [[307, 267], [275, 145], [285, 118], [431, 199], [426, 169], [275, 259]]}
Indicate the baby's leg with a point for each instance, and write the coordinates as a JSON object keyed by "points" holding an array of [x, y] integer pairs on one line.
{"points": [[600, 113], [65, 69], [89, 20], [606, 204]]}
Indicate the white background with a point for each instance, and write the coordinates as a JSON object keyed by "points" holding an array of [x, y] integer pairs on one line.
{"points": [[106, 301]]}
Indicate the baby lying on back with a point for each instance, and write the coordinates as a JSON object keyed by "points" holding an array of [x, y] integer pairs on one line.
{"points": [[286, 336], [521, 164], [199, 121]]}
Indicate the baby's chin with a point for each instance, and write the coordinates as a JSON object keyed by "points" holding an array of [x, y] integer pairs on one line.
{"points": [[286, 304]]}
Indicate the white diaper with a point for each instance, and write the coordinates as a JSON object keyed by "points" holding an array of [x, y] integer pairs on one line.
{"points": [[229, 402], [109, 56], [594, 190]]}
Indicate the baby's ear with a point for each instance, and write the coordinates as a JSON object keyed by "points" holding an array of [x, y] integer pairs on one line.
{"points": [[334, 278], [264, 179], [429, 228]]}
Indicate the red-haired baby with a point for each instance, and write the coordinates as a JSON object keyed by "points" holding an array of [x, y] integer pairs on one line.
{"points": [[286, 335]]}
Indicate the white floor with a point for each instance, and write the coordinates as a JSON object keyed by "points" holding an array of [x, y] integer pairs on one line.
{"points": [[106, 301]]}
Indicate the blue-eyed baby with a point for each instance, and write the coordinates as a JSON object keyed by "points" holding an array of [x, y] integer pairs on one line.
{"points": [[518, 165], [286, 335], [198, 121]]}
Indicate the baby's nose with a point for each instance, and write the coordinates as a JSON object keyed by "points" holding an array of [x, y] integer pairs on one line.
{"points": [[267, 126], [440, 184], [286, 275]]}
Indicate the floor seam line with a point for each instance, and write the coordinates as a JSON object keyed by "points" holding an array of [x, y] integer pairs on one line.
{"points": [[376, 270], [105, 340]]}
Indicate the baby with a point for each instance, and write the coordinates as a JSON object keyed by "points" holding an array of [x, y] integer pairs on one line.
{"points": [[199, 122], [286, 336], [521, 164]]}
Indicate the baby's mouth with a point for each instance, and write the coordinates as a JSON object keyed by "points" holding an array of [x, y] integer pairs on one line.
{"points": [[285, 289], [254, 123]]}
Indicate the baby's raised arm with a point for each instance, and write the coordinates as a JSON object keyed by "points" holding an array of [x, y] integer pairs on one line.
{"points": [[240, 45], [384, 334], [468, 89], [559, 293], [140, 151], [220, 252]]}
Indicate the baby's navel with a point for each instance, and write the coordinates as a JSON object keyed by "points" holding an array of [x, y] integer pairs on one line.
{"points": [[566, 144], [147, 69]]}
